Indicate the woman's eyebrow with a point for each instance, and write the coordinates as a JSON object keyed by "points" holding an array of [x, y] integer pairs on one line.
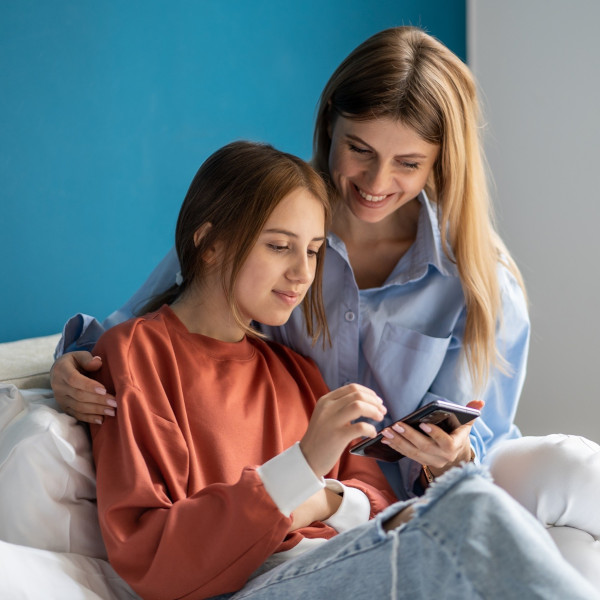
{"points": [[355, 138], [290, 233]]}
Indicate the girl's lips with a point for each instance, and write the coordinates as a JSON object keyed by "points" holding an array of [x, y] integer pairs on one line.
{"points": [[290, 298]]}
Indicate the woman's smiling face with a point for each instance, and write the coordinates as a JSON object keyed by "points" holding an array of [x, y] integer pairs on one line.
{"points": [[377, 166]]}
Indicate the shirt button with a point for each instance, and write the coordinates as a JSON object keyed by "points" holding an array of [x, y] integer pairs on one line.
{"points": [[349, 316]]}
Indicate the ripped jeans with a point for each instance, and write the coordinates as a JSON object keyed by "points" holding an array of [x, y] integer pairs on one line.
{"points": [[467, 539]]}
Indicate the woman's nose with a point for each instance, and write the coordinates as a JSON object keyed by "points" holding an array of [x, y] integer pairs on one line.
{"points": [[378, 178]]}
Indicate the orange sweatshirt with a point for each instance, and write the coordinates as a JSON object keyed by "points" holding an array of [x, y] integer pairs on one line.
{"points": [[183, 509]]}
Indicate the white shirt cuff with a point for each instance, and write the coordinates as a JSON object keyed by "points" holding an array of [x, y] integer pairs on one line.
{"points": [[289, 480], [354, 510], [474, 455]]}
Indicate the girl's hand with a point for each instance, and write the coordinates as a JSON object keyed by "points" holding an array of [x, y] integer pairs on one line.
{"points": [[331, 426], [432, 446], [78, 395], [318, 507]]}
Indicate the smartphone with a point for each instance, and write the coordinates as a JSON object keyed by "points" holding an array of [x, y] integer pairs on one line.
{"points": [[446, 415]]}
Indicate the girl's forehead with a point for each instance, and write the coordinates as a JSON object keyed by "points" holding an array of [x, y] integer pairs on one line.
{"points": [[299, 212]]}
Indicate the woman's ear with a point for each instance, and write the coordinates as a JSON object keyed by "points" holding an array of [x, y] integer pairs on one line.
{"points": [[210, 252]]}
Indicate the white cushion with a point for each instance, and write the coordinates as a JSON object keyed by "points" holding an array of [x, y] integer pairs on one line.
{"points": [[26, 363], [581, 549], [47, 478], [31, 574]]}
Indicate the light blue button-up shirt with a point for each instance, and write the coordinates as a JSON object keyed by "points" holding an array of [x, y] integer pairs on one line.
{"points": [[403, 339]]}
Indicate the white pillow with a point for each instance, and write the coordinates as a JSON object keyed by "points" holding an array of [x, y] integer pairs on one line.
{"points": [[30, 573], [47, 478]]}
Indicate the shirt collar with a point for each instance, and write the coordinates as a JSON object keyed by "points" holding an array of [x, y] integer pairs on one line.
{"points": [[425, 252], [428, 248]]}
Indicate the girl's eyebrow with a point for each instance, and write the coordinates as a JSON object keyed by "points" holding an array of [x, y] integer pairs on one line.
{"points": [[290, 233], [355, 138]]}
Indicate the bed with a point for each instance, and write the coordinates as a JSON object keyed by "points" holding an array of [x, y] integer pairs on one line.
{"points": [[50, 542]]}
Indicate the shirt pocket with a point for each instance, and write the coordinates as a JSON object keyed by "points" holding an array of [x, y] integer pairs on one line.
{"points": [[405, 365]]}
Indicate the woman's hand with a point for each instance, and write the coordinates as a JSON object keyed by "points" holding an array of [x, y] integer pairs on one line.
{"points": [[78, 395], [318, 507], [331, 426], [434, 447]]}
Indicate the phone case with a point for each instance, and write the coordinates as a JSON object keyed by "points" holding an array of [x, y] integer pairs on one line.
{"points": [[446, 415]]}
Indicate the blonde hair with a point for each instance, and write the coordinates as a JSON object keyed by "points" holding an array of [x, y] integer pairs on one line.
{"points": [[404, 74], [235, 190]]}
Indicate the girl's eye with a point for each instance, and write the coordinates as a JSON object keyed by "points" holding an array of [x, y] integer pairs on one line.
{"points": [[312, 253], [278, 248]]}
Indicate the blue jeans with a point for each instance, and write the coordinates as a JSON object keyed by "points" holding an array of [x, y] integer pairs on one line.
{"points": [[467, 539]]}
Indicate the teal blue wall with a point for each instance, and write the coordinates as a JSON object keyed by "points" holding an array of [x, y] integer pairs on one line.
{"points": [[108, 108]]}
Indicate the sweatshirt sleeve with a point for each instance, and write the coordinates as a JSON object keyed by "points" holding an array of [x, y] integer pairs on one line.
{"points": [[364, 474], [163, 542], [290, 481]]}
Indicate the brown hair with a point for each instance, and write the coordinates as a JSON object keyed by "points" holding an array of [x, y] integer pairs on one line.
{"points": [[406, 75], [235, 190]]}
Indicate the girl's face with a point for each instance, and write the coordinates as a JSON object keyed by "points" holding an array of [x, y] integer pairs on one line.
{"points": [[378, 166], [281, 266]]}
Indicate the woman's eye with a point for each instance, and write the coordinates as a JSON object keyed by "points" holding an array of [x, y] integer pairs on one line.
{"points": [[312, 253], [358, 150], [410, 166]]}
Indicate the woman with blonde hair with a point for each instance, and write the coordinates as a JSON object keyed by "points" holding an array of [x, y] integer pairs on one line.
{"points": [[422, 299]]}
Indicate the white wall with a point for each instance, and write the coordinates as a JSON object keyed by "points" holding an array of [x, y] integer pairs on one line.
{"points": [[538, 65]]}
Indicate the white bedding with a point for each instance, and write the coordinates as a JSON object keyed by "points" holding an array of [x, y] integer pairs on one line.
{"points": [[30, 573], [50, 542]]}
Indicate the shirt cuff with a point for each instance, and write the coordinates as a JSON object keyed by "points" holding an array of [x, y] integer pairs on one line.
{"points": [[354, 510], [80, 332], [289, 480], [475, 458]]}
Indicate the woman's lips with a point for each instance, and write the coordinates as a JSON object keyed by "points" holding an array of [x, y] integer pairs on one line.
{"points": [[369, 197], [370, 200]]}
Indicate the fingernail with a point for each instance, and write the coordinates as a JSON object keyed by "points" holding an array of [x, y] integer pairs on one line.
{"points": [[100, 390], [98, 421], [109, 411], [386, 442], [398, 428], [426, 428], [387, 434], [111, 402]]}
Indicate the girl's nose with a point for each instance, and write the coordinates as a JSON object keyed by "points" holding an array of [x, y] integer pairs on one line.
{"points": [[301, 270]]}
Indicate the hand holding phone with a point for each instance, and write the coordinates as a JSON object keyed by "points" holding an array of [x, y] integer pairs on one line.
{"points": [[446, 415]]}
